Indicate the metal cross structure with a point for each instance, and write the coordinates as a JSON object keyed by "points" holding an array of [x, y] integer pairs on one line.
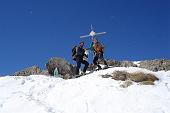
{"points": [[92, 33]]}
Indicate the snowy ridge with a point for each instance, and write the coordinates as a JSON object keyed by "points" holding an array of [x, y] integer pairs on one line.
{"points": [[87, 94]]}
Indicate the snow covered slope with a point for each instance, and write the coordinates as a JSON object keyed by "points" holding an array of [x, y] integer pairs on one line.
{"points": [[87, 94]]}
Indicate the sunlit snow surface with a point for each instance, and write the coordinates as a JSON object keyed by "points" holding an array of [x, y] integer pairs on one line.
{"points": [[87, 94]]}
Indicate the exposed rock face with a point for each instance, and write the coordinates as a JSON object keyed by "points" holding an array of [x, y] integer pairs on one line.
{"points": [[34, 70], [153, 65], [156, 65], [139, 77], [64, 68], [127, 64], [44, 72], [119, 75], [115, 63]]}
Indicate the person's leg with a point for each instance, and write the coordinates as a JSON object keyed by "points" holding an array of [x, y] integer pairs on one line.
{"points": [[102, 59], [78, 67], [86, 64], [95, 61]]}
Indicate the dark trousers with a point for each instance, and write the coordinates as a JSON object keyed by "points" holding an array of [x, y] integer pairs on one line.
{"points": [[79, 62], [97, 57]]}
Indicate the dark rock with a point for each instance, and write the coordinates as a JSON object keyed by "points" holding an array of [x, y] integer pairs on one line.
{"points": [[155, 65], [91, 67], [64, 68], [106, 76], [34, 70], [73, 68]]}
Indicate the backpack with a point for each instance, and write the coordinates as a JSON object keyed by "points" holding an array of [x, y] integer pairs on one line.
{"points": [[74, 51], [98, 47]]}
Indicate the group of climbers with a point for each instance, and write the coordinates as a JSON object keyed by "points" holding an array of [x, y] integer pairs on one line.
{"points": [[78, 54]]}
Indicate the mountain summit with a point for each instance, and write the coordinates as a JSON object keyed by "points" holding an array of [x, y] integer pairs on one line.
{"points": [[98, 92]]}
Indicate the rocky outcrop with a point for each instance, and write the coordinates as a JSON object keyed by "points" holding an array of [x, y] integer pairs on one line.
{"points": [[119, 75], [115, 63], [65, 69], [139, 77], [155, 65], [44, 72], [34, 70]]}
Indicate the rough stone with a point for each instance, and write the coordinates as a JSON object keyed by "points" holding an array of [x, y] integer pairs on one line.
{"points": [[155, 65], [126, 84], [119, 75], [64, 68], [34, 70], [147, 83]]}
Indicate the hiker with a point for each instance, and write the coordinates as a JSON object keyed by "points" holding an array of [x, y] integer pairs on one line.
{"points": [[78, 55], [98, 50]]}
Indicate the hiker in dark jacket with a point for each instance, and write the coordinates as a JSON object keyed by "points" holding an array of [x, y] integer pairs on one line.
{"points": [[98, 49], [79, 55]]}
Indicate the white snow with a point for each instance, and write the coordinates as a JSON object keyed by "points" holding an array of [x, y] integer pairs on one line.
{"points": [[87, 94], [137, 63]]}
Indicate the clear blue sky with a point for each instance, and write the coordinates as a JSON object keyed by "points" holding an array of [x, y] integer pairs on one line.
{"points": [[32, 31]]}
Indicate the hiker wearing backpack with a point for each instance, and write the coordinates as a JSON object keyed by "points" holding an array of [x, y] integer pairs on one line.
{"points": [[78, 55], [98, 49]]}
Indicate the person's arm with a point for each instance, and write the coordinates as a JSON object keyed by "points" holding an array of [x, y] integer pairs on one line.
{"points": [[77, 51], [91, 47]]}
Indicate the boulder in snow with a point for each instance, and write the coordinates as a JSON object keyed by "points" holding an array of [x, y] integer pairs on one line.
{"points": [[142, 78], [120, 75], [64, 68]]}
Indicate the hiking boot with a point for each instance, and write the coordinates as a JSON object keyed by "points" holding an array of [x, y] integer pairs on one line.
{"points": [[99, 67], [76, 76], [83, 73]]}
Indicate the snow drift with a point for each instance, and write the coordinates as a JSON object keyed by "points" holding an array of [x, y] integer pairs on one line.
{"points": [[87, 94]]}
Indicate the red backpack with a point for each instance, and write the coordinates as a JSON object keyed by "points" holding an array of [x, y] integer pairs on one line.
{"points": [[98, 47]]}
